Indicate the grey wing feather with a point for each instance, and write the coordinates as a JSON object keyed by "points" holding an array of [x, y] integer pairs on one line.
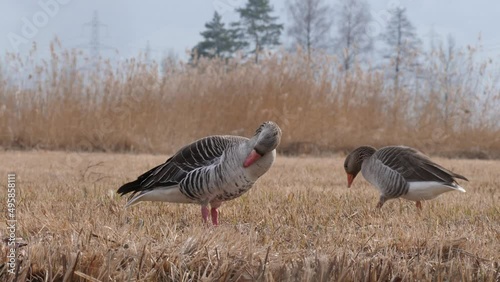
{"points": [[390, 181], [415, 166], [203, 152]]}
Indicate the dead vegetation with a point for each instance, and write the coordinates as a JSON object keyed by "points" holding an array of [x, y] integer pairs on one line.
{"points": [[300, 223], [66, 103]]}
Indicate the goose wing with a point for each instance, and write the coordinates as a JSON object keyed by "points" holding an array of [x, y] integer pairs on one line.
{"points": [[415, 166], [203, 152]]}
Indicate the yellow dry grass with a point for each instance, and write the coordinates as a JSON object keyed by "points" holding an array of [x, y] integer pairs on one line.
{"points": [[299, 223]]}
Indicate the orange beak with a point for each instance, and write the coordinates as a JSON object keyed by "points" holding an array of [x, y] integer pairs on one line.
{"points": [[350, 178], [252, 157]]}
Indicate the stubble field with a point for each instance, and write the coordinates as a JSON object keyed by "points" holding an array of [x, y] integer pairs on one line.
{"points": [[299, 223]]}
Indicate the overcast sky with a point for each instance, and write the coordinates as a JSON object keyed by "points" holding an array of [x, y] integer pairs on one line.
{"points": [[174, 26]]}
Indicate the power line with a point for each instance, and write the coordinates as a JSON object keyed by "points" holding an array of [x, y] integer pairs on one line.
{"points": [[95, 25], [95, 45]]}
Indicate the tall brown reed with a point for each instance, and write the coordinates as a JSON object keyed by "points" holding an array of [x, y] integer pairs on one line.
{"points": [[72, 103]]}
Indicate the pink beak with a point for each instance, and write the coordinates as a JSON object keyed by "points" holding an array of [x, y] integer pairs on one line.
{"points": [[252, 157]]}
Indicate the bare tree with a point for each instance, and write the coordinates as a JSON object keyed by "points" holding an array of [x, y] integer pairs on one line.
{"points": [[403, 43], [448, 59], [445, 75], [311, 22], [353, 19]]}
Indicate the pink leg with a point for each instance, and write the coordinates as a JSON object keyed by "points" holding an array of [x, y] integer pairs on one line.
{"points": [[419, 205], [204, 213], [215, 215], [214, 212]]}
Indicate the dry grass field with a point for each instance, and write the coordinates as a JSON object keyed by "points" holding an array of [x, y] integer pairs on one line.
{"points": [[299, 223]]}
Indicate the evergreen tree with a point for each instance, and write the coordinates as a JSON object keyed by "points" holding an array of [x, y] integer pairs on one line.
{"points": [[218, 41], [258, 26]]}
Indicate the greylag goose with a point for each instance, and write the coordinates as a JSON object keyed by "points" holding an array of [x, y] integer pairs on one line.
{"points": [[398, 171], [211, 170]]}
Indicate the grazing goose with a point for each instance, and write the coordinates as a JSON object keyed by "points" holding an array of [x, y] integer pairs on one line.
{"points": [[211, 170], [399, 171]]}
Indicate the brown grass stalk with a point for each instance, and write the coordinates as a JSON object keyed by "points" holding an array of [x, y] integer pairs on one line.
{"points": [[67, 103], [300, 223]]}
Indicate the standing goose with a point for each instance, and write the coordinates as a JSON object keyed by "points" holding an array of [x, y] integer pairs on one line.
{"points": [[399, 171], [211, 170]]}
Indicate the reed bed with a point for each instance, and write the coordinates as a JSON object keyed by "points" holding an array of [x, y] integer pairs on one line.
{"points": [[69, 102]]}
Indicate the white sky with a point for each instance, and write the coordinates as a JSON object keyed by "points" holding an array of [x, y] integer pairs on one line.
{"points": [[176, 25]]}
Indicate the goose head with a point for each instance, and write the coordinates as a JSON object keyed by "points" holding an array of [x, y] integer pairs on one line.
{"points": [[267, 137], [354, 160]]}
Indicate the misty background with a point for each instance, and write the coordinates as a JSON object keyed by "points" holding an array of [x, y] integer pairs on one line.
{"points": [[92, 76], [173, 27]]}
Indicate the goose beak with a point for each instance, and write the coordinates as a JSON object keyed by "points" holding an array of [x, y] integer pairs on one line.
{"points": [[252, 157], [350, 178]]}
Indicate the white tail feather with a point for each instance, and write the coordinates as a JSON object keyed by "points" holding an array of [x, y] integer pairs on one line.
{"points": [[171, 194], [426, 190], [459, 188]]}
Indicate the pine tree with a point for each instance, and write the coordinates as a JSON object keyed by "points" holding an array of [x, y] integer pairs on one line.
{"points": [[218, 41], [258, 26]]}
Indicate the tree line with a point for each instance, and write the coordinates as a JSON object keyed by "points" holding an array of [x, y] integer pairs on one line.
{"points": [[310, 28], [387, 43], [315, 25]]}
